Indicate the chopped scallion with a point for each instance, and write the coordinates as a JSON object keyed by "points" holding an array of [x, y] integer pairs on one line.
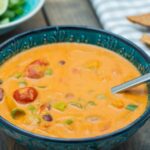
{"points": [[131, 107], [76, 104], [91, 103], [19, 11], [61, 106], [32, 108], [22, 83], [35, 119], [18, 75], [49, 72], [5, 21], [68, 121], [101, 96], [17, 113]]}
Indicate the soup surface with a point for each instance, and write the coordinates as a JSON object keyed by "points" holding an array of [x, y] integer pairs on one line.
{"points": [[63, 90]]}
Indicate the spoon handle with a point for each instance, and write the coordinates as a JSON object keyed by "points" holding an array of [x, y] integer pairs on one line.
{"points": [[131, 83]]}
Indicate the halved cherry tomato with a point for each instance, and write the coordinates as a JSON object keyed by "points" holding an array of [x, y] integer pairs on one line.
{"points": [[36, 69], [25, 95]]}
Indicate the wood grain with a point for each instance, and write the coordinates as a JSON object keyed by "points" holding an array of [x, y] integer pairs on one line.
{"points": [[70, 12]]}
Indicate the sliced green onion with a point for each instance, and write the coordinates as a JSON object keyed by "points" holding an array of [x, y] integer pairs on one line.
{"points": [[32, 108], [9, 14], [93, 118], [131, 107], [49, 72], [19, 11], [21, 2], [5, 21], [91, 103], [18, 75], [61, 106], [17, 113], [68, 121], [14, 9], [22, 83], [101, 96], [76, 104], [35, 119], [16, 3]]}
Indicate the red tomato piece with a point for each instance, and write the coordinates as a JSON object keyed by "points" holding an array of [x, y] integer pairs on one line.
{"points": [[25, 95], [36, 69]]}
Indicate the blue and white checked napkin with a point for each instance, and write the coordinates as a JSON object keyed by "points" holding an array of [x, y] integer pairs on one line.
{"points": [[113, 14]]}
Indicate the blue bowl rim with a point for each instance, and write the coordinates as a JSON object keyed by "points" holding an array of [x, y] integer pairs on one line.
{"points": [[145, 116]]}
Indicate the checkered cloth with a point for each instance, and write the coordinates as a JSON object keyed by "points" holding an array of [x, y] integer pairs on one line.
{"points": [[113, 17]]}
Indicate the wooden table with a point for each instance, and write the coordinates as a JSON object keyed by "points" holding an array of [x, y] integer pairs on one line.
{"points": [[70, 12]]}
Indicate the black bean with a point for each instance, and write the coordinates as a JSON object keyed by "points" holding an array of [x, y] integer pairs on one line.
{"points": [[47, 117], [62, 62]]}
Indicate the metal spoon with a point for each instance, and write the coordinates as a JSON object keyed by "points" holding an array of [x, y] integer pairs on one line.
{"points": [[131, 83]]}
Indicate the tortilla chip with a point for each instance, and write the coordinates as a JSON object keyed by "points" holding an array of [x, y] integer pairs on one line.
{"points": [[143, 19], [146, 39]]}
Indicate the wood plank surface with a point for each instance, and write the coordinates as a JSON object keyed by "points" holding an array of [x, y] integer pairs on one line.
{"points": [[70, 12]]}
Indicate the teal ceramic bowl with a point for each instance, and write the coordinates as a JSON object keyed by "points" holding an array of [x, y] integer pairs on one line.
{"points": [[31, 8], [80, 35]]}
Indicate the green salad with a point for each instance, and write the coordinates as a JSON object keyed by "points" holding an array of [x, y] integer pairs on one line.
{"points": [[10, 9]]}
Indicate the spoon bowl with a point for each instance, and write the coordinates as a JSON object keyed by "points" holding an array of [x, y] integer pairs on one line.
{"points": [[134, 82]]}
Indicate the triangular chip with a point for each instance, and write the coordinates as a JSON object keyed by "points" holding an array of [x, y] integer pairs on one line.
{"points": [[143, 19], [146, 39]]}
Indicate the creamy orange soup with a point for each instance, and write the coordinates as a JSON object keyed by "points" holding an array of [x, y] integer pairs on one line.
{"points": [[63, 90]]}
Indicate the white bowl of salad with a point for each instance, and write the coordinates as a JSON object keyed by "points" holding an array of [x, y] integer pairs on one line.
{"points": [[15, 12]]}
